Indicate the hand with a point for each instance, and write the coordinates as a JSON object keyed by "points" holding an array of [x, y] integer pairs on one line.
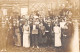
{"points": [[65, 35]]}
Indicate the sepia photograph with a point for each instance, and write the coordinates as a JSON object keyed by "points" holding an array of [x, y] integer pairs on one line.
{"points": [[39, 25]]}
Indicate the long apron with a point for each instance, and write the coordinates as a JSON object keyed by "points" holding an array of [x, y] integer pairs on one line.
{"points": [[57, 31], [57, 39], [26, 40], [26, 37]]}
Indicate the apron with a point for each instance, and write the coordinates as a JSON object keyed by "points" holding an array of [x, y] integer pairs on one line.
{"points": [[57, 31], [26, 36]]}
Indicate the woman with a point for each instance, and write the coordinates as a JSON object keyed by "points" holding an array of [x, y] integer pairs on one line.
{"points": [[57, 31], [26, 35], [17, 35]]}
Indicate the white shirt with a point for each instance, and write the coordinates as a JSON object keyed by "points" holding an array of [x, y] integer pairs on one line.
{"points": [[34, 27], [57, 29], [62, 24]]}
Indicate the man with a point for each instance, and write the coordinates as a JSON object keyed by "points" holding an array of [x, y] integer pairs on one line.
{"points": [[67, 36], [41, 33], [22, 21], [31, 27], [35, 36], [48, 33]]}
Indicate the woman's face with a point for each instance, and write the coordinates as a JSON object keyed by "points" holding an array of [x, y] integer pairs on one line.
{"points": [[62, 20], [55, 24], [23, 16], [41, 24]]}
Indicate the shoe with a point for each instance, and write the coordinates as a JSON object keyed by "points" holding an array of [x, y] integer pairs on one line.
{"points": [[15, 44], [2, 50], [5, 50], [18, 45], [37, 46], [33, 47]]}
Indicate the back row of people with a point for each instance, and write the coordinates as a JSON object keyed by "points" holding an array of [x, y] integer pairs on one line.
{"points": [[37, 31]]}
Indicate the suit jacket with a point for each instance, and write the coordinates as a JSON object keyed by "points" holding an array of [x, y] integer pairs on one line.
{"points": [[42, 30], [49, 28]]}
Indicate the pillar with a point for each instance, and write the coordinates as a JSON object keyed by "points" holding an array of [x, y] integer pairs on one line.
{"points": [[75, 39]]}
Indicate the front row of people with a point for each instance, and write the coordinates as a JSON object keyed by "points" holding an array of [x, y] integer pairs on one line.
{"points": [[32, 37]]}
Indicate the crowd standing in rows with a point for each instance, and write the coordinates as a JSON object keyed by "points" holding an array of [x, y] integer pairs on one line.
{"points": [[39, 31]]}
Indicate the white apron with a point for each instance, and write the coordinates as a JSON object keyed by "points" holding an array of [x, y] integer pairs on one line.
{"points": [[57, 31], [26, 36]]}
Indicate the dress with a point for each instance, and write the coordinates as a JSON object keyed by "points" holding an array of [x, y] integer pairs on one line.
{"points": [[18, 37], [57, 32], [26, 36]]}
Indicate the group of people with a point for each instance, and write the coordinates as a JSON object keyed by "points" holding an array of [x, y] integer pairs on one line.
{"points": [[36, 30]]}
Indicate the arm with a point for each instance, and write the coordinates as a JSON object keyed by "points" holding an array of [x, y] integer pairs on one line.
{"points": [[23, 29], [29, 29]]}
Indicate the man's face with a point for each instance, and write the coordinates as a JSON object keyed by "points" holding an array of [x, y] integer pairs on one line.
{"points": [[48, 23]]}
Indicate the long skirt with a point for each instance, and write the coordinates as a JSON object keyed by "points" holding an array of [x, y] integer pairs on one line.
{"points": [[18, 39], [26, 40], [58, 40]]}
